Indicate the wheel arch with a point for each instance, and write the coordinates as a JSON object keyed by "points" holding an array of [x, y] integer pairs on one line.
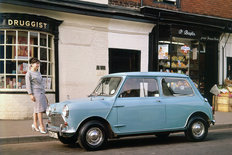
{"points": [[198, 114], [106, 124]]}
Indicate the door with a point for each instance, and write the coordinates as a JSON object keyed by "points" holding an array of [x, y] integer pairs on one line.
{"points": [[180, 101], [139, 106], [122, 60]]}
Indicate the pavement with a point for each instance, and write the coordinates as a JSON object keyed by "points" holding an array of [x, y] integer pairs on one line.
{"points": [[19, 131]]}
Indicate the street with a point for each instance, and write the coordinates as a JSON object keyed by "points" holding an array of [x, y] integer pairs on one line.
{"points": [[217, 142]]}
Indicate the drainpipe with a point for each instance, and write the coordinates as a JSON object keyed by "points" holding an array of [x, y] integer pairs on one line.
{"points": [[141, 3]]}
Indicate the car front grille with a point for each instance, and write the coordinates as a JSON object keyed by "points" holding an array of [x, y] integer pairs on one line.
{"points": [[56, 120]]}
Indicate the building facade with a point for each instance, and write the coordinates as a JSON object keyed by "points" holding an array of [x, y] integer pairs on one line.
{"points": [[75, 49], [78, 42]]}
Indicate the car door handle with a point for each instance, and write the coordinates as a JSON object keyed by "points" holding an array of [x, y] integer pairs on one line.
{"points": [[118, 106], [158, 101]]}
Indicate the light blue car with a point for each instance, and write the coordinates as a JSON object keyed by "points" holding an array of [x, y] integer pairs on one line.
{"points": [[125, 104]]}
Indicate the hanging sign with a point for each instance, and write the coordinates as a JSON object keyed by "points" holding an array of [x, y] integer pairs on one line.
{"points": [[185, 49]]}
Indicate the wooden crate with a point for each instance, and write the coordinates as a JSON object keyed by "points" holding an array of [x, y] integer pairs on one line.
{"points": [[224, 107], [224, 99]]}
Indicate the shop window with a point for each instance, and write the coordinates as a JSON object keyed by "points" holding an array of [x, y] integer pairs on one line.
{"points": [[16, 49], [184, 56]]}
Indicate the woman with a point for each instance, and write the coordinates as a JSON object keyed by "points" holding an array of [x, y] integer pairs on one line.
{"points": [[35, 88]]}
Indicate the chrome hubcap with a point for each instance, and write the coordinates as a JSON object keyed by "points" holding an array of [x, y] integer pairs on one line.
{"points": [[198, 129], [94, 136]]}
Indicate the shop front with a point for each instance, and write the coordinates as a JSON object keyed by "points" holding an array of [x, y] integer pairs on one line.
{"points": [[23, 36], [188, 44], [189, 50]]}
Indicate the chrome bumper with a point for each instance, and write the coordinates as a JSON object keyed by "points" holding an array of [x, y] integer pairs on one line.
{"points": [[213, 122], [61, 130]]}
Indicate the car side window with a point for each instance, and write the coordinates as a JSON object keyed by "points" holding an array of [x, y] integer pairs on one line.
{"points": [[176, 87], [140, 87]]}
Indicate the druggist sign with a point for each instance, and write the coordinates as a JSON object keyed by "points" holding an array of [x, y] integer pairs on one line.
{"points": [[28, 22]]}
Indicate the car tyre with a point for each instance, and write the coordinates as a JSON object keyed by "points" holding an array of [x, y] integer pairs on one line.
{"points": [[67, 140], [92, 136], [197, 129]]}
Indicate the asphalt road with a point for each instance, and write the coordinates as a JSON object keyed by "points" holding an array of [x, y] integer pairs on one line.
{"points": [[217, 142]]}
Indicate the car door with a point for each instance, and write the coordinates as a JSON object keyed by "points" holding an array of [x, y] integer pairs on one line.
{"points": [[180, 101], [139, 106]]}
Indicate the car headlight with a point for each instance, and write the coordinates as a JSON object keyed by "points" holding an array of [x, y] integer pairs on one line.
{"points": [[48, 111], [65, 111]]}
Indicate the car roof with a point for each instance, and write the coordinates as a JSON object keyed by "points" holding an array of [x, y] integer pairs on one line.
{"points": [[158, 74]]}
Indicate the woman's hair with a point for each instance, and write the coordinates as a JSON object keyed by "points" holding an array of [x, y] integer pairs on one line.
{"points": [[34, 60]]}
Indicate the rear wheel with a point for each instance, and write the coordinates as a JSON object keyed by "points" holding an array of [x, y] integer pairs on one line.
{"points": [[197, 129], [92, 136]]}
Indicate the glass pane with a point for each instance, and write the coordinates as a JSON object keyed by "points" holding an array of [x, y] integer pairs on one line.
{"points": [[43, 39], [10, 82], [49, 55], [176, 87], [10, 37], [50, 69], [49, 41], [2, 81], [21, 82], [1, 67], [10, 67], [22, 67], [1, 37], [33, 38], [131, 88], [22, 52], [1, 52], [34, 52], [43, 54], [10, 52], [43, 68], [47, 82], [22, 37], [150, 88]]}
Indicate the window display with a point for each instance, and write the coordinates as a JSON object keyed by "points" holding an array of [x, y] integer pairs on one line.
{"points": [[181, 56], [16, 48]]}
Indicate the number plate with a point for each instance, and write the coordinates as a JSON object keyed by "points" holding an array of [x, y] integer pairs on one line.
{"points": [[52, 134]]}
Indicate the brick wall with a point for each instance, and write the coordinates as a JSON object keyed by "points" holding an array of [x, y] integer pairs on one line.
{"points": [[218, 8]]}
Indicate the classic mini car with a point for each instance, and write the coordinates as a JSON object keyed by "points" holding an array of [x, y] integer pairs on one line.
{"points": [[125, 104]]}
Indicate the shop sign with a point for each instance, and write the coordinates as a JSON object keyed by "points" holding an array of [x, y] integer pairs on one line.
{"points": [[210, 38], [28, 22], [185, 49], [186, 33]]}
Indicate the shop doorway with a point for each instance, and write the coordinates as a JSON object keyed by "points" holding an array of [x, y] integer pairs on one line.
{"points": [[123, 60]]}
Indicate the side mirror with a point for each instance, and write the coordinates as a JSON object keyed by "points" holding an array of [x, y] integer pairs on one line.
{"points": [[206, 100]]}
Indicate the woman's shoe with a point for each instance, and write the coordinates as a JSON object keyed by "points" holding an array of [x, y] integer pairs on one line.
{"points": [[43, 132], [34, 128]]}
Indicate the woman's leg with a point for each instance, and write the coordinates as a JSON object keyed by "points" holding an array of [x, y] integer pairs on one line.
{"points": [[35, 119], [40, 116]]}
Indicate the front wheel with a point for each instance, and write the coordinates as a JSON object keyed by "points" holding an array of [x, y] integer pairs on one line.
{"points": [[197, 129], [92, 136], [67, 140]]}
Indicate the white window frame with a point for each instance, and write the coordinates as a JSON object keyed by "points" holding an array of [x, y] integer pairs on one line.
{"points": [[51, 62]]}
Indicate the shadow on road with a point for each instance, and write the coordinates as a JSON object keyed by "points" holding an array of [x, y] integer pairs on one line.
{"points": [[140, 141]]}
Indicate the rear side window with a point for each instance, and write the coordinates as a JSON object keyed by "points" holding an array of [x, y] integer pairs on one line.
{"points": [[176, 87]]}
